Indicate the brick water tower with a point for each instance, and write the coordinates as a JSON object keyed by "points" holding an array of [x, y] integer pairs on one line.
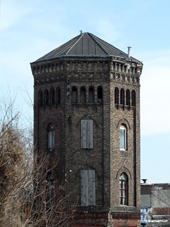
{"points": [[87, 113]]}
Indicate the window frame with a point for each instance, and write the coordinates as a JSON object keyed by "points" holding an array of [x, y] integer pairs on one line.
{"points": [[123, 189], [123, 129]]}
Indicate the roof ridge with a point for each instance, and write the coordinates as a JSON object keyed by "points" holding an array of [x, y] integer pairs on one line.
{"points": [[75, 43], [91, 35]]}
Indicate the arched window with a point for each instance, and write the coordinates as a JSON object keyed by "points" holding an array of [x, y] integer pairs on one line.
{"points": [[51, 187], [58, 94], [52, 96], [51, 137], [133, 98], [123, 189], [40, 98], [123, 138], [122, 97], [128, 97], [74, 95], [46, 97], [91, 95], [83, 95], [116, 95], [100, 94]]}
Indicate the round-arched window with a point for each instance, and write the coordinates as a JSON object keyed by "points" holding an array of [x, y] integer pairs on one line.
{"points": [[51, 137], [123, 189], [123, 137]]}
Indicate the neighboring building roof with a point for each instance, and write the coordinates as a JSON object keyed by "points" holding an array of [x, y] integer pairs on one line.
{"points": [[86, 44]]}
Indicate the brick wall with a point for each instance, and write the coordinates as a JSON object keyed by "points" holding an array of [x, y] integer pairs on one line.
{"points": [[105, 158]]}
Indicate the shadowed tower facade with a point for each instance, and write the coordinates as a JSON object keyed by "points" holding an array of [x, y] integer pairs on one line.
{"points": [[87, 115]]}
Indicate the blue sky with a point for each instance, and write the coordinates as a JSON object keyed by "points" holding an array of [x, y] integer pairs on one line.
{"points": [[30, 29]]}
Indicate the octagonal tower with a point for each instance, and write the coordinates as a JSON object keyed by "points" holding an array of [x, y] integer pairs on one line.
{"points": [[87, 113]]}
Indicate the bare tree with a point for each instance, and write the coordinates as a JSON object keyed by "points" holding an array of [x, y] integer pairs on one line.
{"points": [[30, 193]]}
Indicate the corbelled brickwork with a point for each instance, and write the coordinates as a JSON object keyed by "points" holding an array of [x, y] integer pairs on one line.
{"points": [[104, 74]]}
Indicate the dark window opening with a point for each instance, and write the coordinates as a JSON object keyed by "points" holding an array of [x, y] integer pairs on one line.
{"points": [[116, 96], [46, 97], [51, 137], [52, 96], [128, 98], [83, 95], [91, 95], [133, 98], [58, 96], [40, 99], [74, 95], [122, 97], [123, 189], [99, 95]]}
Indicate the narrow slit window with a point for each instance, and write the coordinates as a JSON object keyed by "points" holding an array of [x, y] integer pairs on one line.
{"points": [[122, 97], [99, 94], [91, 95], [133, 98], [83, 95], [58, 96], [116, 96], [74, 95], [128, 98], [52, 96], [46, 97], [40, 99]]}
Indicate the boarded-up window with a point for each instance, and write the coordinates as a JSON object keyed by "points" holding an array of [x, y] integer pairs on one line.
{"points": [[88, 196], [86, 133]]}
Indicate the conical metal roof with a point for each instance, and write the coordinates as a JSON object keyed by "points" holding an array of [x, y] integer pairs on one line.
{"points": [[86, 44]]}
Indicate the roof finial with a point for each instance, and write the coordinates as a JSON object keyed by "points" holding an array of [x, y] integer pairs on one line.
{"points": [[80, 32]]}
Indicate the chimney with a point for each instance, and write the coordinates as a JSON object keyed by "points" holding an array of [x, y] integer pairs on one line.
{"points": [[129, 52], [144, 181]]}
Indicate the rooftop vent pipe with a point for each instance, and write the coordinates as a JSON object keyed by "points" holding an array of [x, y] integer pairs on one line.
{"points": [[144, 181], [129, 52]]}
